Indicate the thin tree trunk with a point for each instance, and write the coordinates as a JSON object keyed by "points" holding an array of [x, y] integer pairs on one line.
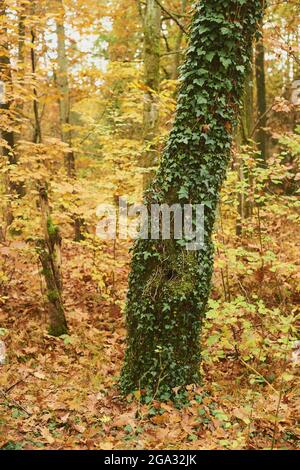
{"points": [[49, 251], [152, 30], [64, 90], [244, 134], [169, 285], [261, 136], [178, 44], [6, 104], [21, 50], [296, 58], [37, 136]]}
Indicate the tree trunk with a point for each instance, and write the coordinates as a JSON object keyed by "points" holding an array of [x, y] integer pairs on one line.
{"points": [[152, 29], [244, 135], [37, 135], [64, 91], [296, 58], [6, 100], [261, 136], [8, 149], [169, 286], [49, 251], [21, 50], [6, 104], [178, 44]]}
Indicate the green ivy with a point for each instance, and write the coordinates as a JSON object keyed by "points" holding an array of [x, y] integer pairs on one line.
{"points": [[169, 286]]}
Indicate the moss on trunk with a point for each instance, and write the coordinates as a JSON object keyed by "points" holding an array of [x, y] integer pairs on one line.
{"points": [[49, 251]]}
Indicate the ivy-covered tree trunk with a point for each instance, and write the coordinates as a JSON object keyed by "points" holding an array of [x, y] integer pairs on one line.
{"points": [[169, 286]]}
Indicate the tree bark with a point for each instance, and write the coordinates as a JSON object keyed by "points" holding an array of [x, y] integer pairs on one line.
{"points": [[178, 44], [261, 136], [13, 188], [49, 251], [37, 135], [152, 30], [244, 134], [64, 90], [169, 286], [6, 103], [21, 50]]}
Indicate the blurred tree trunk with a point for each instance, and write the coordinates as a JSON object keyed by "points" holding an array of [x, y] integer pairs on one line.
{"points": [[37, 134], [169, 283], [7, 117], [261, 136], [6, 99], [64, 90], [296, 59], [178, 45], [247, 115], [243, 136], [21, 49], [152, 30]]}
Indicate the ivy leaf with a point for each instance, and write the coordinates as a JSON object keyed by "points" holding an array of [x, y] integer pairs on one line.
{"points": [[225, 62], [199, 81], [201, 100], [203, 29], [183, 193], [241, 68], [210, 56]]}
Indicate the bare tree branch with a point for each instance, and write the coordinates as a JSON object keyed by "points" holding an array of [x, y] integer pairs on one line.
{"points": [[172, 17]]}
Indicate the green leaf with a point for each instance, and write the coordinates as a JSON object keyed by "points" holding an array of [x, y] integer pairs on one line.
{"points": [[210, 56], [183, 193], [213, 339], [241, 68], [225, 62]]}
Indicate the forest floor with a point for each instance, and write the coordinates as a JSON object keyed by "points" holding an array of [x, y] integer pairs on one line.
{"points": [[61, 393]]}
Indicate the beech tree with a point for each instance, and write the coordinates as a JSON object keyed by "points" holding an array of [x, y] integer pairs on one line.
{"points": [[152, 29], [261, 97], [169, 286], [64, 90], [244, 134], [178, 44], [6, 84], [7, 134], [37, 134]]}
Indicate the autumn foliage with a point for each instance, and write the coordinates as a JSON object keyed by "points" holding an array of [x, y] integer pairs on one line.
{"points": [[75, 104]]}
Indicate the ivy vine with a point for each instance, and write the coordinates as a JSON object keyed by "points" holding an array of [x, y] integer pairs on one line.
{"points": [[169, 286]]}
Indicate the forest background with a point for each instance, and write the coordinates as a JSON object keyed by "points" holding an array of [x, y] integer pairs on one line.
{"points": [[87, 95]]}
